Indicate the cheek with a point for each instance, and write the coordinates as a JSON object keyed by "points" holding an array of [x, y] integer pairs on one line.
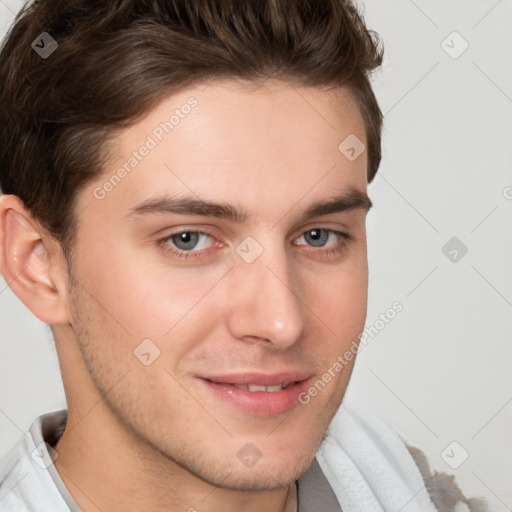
{"points": [[145, 295], [340, 296], [339, 303]]}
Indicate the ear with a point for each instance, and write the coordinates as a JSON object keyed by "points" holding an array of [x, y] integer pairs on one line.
{"points": [[25, 263]]}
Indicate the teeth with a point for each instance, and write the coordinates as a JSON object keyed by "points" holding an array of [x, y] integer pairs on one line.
{"points": [[277, 387], [241, 386], [256, 387]]}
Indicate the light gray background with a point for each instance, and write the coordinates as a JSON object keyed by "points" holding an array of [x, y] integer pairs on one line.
{"points": [[440, 371]]}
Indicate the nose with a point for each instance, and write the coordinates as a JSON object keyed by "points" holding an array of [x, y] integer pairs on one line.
{"points": [[265, 305]]}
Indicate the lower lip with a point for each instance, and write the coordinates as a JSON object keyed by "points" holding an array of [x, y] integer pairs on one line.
{"points": [[259, 403]]}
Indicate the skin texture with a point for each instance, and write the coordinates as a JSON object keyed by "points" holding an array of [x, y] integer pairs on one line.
{"points": [[152, 437]]}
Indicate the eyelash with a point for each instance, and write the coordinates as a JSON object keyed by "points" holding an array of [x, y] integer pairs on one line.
{"points": [[326, 253]]}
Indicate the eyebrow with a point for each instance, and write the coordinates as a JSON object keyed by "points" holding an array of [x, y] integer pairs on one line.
{"points": [[351, 199]]}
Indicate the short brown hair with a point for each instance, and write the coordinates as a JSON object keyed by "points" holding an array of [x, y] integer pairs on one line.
{"points": [[116, 60]]}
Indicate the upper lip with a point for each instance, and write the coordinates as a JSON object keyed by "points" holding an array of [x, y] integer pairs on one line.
{"points": [[260, 379]]}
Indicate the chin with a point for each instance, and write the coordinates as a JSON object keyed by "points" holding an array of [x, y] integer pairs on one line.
{"points": [[259, 481], [264, 475]]}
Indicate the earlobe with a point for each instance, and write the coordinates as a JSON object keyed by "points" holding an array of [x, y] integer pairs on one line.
{"points": [[25, 263]]}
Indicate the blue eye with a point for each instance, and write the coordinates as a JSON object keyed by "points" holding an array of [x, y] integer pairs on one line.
{"points": [[185, 242], [319, 236]]}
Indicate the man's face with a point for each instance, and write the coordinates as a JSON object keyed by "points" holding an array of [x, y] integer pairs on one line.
{"points": [[160, 311]]}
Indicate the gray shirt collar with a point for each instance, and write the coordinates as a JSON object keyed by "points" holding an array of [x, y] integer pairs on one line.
{"points": [[315, 492]]}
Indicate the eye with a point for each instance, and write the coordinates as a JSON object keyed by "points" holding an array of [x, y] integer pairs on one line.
{"points": [[186, 243], [319, 237], [187, 240]]}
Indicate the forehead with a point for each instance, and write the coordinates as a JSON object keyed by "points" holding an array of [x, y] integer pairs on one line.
{"points": [[253, 144]]}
